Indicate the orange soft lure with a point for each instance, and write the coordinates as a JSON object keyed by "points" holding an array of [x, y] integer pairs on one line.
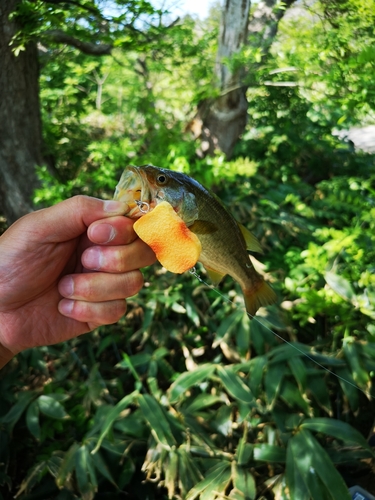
{"points": [[175, 246]]}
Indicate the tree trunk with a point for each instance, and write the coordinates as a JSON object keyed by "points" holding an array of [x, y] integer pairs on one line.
{"points": [[222, 120], [20, 121]]}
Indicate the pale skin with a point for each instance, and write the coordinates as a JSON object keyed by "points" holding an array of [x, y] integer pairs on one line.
{"points": [[66, 270]]}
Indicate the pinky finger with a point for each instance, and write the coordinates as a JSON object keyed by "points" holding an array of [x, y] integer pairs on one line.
{"points": [[93, 313]]}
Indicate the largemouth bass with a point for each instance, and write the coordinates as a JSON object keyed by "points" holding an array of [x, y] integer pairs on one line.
{"points": [[224, 241]]}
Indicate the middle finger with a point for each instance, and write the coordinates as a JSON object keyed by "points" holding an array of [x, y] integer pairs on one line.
{"points": [[118, 259]]}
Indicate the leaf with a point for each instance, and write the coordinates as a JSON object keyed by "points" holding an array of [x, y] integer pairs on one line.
{"points": [[192, 311], [244, 452], [349, 387], [353, 357], [32, 419], [112, 416], [188, 379], [311, 460], [171, 473], [336, 428], [154, 414], [317, 386], [214, 478], [102, 467], [269, 453], [341, 286], [202, 401], [244, 482], [291, 394], [272, 381], [285, 352], [260, 336], [67, 466], [33, 477], [14, 414], [51, 408], [235, 386], [227, 325], [256, 371], [85, 474], [298, 369], [189, 474]]}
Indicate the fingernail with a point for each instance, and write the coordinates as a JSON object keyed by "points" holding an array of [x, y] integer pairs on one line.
{"points": [[66, 306], [66, 286], [117, 207], [93, 258], [102, 233]]}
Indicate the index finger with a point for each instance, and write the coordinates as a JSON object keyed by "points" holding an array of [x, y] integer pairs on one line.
{"points": [[112, 231]]}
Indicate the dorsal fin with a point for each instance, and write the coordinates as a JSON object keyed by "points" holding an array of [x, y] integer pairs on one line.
{"points": [[252, 243]]}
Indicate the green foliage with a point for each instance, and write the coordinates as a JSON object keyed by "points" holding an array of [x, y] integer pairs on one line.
{"points": [[186, 397]]}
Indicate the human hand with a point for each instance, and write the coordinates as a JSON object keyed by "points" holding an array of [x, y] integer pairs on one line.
{"points": [[65, 270]]}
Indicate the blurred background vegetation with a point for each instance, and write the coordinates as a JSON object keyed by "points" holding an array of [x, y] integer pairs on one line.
{"points": [[185, 398]]}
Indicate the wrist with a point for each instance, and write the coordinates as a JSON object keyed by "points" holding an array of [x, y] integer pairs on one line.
{"points": [[5, 356]]}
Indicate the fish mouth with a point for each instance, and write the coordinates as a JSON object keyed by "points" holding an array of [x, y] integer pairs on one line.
{"points": [[133, 189]]}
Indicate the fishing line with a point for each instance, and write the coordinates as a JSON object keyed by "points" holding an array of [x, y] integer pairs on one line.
{"points": [[227, 299], [144, 207]]}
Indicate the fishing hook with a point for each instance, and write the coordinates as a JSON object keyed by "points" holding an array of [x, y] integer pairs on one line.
{"points": [[142, 204]]}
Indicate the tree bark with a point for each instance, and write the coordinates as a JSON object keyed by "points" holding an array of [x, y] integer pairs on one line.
{"points": [[20, 121], [222, 120]]}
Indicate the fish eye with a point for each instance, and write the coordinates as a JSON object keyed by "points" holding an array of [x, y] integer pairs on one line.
{"points": [[162, 179]]}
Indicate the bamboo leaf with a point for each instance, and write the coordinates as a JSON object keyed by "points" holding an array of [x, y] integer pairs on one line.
{"points": [[212, 480], [244, 452], [154, 414], [291, 394], [244, 482], [348, 387], [85, 475], [298, 368], [14, 414], [202, 401], [67, 466], [312, 461], [32, 419], [295, 473], [256, 371], [235, 386], [112, 416], [171, 473], [353, 357], [102, 467], [269, 453], [51, 408], [189, 474], [272, 381], [188, 379], [317, 386], [336, 428]]}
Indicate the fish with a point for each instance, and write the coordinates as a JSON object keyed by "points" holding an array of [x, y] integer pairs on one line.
{"points": [[225, 242]]}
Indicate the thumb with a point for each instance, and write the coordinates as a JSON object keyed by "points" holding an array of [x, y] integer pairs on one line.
{"points": [[70, 218]]}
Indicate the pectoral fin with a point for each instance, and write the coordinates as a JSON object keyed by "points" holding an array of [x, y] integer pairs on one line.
{"points": [[252, 243]]}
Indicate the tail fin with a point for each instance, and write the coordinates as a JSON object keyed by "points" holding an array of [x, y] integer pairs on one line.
{"points": [[256, 297]]}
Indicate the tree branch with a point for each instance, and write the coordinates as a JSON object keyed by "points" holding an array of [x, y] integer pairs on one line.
{"points": [[90, 48]]}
